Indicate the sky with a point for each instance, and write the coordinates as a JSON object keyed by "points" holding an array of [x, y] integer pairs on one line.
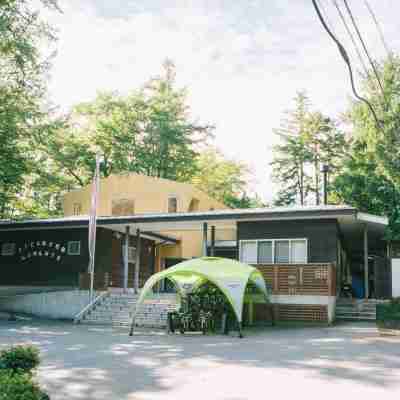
{"points": [[242, 61]]}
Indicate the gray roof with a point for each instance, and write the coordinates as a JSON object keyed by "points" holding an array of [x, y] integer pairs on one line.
{"points": [[227, 214]]}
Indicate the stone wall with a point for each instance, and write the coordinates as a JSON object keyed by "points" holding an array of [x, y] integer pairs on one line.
{"points": [[54, 305]]}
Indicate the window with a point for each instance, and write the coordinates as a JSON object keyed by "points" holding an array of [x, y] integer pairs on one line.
{"points": [[282, 251], [131, 254], [74, 248], [298, 251], [274, 251], [77, 208], [172, 204], [248, 252], [8, 249], [265, 252], [121, 207]]}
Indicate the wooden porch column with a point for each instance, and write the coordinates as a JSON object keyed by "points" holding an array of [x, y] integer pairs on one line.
{"points": [[212, 247], [205, 229], [137, 261], [126, 258], [366, 280]]}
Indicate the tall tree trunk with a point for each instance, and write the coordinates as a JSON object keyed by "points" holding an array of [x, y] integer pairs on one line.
{"points": [[317, 192], [301, 184], [316, 174]]}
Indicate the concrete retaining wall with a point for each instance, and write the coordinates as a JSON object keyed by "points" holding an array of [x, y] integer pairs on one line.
{"points": [[53, 305]]}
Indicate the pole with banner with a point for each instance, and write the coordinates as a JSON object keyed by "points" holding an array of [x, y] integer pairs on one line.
{"points": [[93, 224]]}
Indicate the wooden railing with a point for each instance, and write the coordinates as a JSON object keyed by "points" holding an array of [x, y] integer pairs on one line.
{"points": [[300, 279]]}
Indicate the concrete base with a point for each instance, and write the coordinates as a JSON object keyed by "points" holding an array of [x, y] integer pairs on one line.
{"points": [[53, 305], [329, 301]]}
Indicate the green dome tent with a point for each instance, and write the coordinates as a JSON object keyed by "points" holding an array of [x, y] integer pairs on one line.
{"points": [[230, 276]]}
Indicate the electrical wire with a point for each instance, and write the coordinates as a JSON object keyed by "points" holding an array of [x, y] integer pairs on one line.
{"points": [[363, 45], [324, 11], [358, 52], [346, 59], [378, 27]]}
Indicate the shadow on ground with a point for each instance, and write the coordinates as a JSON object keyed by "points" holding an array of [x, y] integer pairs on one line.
{"points": [[81, 362]]}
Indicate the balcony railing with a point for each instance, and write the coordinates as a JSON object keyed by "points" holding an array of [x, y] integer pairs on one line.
{"points": [[300, 279]]}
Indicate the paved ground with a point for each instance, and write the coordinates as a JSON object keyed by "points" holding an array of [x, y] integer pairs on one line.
{"points": [[80, 362]]}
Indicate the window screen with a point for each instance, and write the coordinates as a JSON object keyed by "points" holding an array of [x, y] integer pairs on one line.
{"points": [[265, 253], [282, 251], [248, 253]]}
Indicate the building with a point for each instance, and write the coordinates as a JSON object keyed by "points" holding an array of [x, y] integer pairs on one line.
{"points": [[134, 194], [304, 253]]}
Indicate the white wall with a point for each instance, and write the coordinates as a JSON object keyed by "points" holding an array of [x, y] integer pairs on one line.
{"points": [[395, 277], [53, 305]]}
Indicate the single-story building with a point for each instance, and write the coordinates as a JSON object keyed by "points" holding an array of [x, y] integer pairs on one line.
{"points": [[305, 253]]}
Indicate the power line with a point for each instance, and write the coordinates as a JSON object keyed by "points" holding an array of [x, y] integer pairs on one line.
{"points": [[378, 27], [351, 36], [363, 45], [346, 59], [328, 21]]}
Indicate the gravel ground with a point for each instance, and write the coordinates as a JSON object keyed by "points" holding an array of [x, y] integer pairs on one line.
{"points": [[82, 362]]}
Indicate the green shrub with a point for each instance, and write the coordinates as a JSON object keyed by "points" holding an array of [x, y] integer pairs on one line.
{"points": [[19, 387], [19, 359]]}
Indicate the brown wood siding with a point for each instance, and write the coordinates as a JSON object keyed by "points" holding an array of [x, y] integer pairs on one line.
{"points": [[300, 279], [147, 262], [322, 235], [301, 312]]}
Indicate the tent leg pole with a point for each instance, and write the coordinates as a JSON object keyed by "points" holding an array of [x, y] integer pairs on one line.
{"points": [[240, 330], [132, 327]]}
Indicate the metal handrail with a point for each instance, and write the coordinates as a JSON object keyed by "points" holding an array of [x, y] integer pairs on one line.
{"points": [[78, 317]]}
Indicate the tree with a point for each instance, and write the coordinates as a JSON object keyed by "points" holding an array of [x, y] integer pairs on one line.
{"points": [[224, 180], [308, 139], [21, 91], [147, 132], [291, 155], [370, 177], [325, 144]]}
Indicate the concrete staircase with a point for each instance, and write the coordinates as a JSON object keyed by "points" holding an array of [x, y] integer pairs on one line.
{"points": [[117, 309], [356, 309]]}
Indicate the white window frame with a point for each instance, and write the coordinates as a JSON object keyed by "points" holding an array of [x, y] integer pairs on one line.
{"points": [[78, 253], [290, 240], [8, 249]]}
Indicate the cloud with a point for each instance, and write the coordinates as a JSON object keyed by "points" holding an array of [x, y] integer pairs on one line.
{"points": [[242, 61]]}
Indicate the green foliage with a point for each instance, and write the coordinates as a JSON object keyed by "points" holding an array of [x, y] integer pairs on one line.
{"points": [[370, 177], [148, 132], [307, 140], [19, 387], [224, 180], [22, 87], [20, 359]]}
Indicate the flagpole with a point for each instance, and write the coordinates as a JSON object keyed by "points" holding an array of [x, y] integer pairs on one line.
{"points": [[93, 226]]}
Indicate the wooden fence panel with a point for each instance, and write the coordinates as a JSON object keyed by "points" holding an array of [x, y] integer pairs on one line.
{"points": [[300, 279]]}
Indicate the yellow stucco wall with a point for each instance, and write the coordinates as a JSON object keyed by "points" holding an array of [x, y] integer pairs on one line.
{"points": [[150, 195]]}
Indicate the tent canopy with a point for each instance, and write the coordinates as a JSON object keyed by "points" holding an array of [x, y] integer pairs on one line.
{"points": [[230, 276]]}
